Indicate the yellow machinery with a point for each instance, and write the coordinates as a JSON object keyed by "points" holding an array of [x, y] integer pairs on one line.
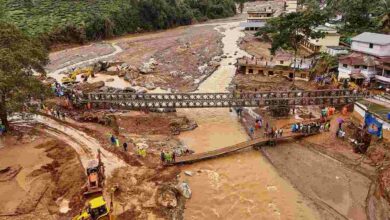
{"points": [[96, 209], [71, 78]]}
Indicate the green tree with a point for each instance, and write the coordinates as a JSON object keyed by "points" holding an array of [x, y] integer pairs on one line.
{"points": [[289, 30], [19, 55], [360, 15]]}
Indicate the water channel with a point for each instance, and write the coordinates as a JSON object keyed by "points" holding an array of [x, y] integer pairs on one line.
{"points": [[239, 186]]}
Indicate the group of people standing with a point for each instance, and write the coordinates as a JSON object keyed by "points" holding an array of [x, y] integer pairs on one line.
{"points": [[168, 157], [57, 89], [115, 142], [312, 127], [269, 132], [57, 113], [273, 133]]}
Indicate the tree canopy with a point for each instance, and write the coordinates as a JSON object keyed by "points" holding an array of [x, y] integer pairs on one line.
{"points": [[287, 31], [19, 55], [359, 15]]}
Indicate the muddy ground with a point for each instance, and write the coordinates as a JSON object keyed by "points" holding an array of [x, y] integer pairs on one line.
{"points": [[182, 57], [146, 188], [48, 175]]}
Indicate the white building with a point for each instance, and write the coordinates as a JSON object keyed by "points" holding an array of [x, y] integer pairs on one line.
{"points": [[257, 17], [372, 43], [337, 50], [368, 61], [358, 67]]}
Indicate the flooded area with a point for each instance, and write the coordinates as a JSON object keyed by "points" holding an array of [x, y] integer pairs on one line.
{"points": [[239, 186]]}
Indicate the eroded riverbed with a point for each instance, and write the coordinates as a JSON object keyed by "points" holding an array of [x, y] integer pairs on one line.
{"points": [[239, 186]]}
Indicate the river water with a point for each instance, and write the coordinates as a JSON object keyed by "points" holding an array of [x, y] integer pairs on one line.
{"points": [[238, 186]]}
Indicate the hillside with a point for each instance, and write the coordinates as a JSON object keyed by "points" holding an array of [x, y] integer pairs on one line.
{"points": [[79, 20]]}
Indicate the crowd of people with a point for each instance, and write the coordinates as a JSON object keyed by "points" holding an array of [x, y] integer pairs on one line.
{"points": [[168, 157], [57, 89], [56, 112], [312, 127]]}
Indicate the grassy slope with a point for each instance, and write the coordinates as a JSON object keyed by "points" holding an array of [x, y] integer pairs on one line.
{"points": [[45, 15]]}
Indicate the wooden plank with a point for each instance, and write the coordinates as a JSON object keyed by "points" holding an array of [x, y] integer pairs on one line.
{"points": [[230, 149]]}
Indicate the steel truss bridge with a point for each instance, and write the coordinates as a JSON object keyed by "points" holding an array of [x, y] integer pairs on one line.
{"points": [[122, 100]]}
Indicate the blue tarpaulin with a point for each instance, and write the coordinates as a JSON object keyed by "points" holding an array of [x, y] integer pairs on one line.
{"points": [[373, 125]]}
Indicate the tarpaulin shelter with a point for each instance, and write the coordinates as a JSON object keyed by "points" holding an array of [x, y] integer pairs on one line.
{"points": [[373, 125]]}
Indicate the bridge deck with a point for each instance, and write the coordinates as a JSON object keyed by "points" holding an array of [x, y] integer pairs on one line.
{"points": [[230, 149], [218, 100]]}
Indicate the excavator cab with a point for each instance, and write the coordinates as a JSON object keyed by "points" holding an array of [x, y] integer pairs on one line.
{"points": [[96, 210], [95, 177]]}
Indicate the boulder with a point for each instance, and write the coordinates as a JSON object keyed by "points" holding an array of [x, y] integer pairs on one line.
{"points": [[129, 89], [150, 86], [102, 65], [167, 199], [121, 73], [188, 173], [110, 80], [113, 69], [131, 75], [148, 67], [217, 59], [184, 190], [202, 69], [90, 87], [214, 64]]}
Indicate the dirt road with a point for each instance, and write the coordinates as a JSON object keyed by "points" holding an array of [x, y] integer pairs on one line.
{"points": [[85, 145]]}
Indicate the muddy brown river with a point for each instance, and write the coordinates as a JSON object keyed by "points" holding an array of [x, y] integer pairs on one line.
{"points": [[239, 186]]}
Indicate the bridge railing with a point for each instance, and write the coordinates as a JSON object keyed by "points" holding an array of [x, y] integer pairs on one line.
{"points": [[220, 96]]}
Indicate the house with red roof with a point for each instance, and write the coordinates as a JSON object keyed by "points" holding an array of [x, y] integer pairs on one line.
{"points": [[369, 60]]}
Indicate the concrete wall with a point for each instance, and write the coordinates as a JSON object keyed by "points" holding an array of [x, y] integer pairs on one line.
{"points": [[377, 50], [336, 52], [361, 110], [344, 71]]}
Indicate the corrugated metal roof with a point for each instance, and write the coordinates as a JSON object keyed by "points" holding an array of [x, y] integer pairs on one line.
{"points": [[367, 37]]}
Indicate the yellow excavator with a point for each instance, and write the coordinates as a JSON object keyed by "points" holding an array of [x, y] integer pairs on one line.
{"points": [[71, 78], [96, 209]]}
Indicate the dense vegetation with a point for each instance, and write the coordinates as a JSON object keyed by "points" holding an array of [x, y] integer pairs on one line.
{"points": [[19, 54], [80, 20], [357, 15]]}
